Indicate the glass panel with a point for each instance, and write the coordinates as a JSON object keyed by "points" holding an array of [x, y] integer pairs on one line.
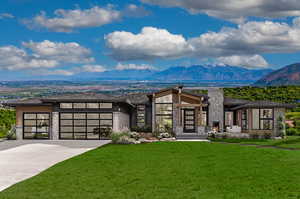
{"points": [[79, 116], [79, 129], [164, 99], [29, 135], [266, 124], [92, 116], [29, 122], [43, 116], [79, 122], [164, 123], [189, 117], [141, 107], [66, 116], [79, 136], [29, 129], [105, 105], [42, 122], [189, 127], [92, 105], [92, 136], [79, 105], [93, 122], [266, 113], [66, 135], [163, 109], [189, 122], [106, 122], [66, 105], [106, 116], [29, 116], [91, 129], [66, 122], [66, 129], [255, 119], [43, 129]]}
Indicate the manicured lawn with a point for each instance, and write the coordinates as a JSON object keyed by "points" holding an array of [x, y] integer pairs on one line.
{"points": [[292, 142], [169, 170]]}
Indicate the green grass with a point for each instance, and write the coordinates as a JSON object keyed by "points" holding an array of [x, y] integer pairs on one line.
{"points": [[168, 170], [292, 142]]}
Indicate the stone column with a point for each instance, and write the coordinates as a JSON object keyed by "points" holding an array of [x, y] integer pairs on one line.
{"points": [[153, 116], [19, 132], [216, 107], [55, 126]]}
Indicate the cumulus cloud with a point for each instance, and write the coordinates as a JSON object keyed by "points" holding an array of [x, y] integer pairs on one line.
{"points": [[235, 10], [246, 41], [54, 72], [93, 68], [121, 66], [151, 43], [68, 20], [6, 16], [70, 52], [255, 61], [13, 58], [46, 54]]}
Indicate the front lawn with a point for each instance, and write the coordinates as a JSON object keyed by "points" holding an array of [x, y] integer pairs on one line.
{"points": [[168, 170], [291, 142]]}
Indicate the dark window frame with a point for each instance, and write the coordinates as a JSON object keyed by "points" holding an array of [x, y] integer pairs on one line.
{"points": [[141, 124], [185, 120], [170, 115], [86, 107], [36, 126], [245, 119], [266, 119], [86, 125]]}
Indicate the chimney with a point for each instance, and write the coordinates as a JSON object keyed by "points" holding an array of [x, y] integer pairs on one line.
{"points": [[216, 108]]}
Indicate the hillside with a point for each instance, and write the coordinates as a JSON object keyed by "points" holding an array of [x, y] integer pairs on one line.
{"points": [[288, 75], [211, 73]]}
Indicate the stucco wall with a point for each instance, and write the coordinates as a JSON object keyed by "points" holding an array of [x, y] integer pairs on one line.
{"points": [[21, 109]]}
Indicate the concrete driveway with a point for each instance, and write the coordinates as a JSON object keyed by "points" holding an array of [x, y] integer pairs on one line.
{"points": [[20, 160]]}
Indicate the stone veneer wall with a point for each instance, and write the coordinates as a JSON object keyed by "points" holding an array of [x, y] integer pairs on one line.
{"points": [[277, 113], [54, 130], [216, 107], [121, 122]]}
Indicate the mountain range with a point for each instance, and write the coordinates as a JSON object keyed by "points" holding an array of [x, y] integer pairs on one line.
{"points": [[288, 75], [181, 73]]}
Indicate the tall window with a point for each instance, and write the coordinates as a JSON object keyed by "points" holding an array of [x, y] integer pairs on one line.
{"points": [[245, 119], [36, 125], [262, 119], [203, 117], [84, 125], [141, 115], [164, 113], [228, 118]]}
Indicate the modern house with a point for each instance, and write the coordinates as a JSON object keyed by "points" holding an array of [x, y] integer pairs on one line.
{"points": [[81, 116]]}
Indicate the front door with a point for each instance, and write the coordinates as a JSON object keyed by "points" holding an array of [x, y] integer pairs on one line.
{"points": [[189, 120]]}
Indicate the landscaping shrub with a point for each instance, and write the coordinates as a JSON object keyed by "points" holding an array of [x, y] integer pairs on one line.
{"points": [[267, 135], [164, 135], [115, 136], [134, 135], [292, 132], [254, 136], [143, 129]]}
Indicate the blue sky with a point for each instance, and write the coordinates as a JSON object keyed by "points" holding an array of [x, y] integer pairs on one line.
{"points": [[48, 39]]}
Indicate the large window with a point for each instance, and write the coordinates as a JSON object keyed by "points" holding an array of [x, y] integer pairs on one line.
{"points": [[84, 125], [164, 113], [262, 119], [228, 118], [105, 105], [245, 119], [141, 115], [36, 125]]}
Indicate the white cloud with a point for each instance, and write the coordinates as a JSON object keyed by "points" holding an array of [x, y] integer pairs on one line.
{"points": [[134, 67], [151, 43], [54, 72], [6, 15], [93, 68], [70, 52], [255, 61], [68, 20], [44, 54], [13, 58], [246, 41], [235, 10]]}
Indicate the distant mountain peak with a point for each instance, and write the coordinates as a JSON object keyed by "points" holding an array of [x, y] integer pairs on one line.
{"points": [[288, 75]]}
